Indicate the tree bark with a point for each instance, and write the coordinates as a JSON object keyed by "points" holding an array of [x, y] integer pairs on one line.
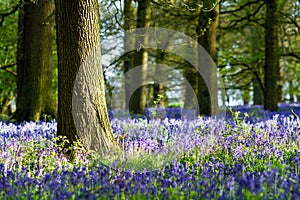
{"points": [[35, 60], [129, 24], [207, 38], [159, 91], [258, 95], [137, 104], [272, 58], [191, 100], [257, 81], [82, 111], [246, 95]]}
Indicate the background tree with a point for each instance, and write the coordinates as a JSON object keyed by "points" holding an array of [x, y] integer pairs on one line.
{"points": [[129, 24], [137, 103], [78, 43], [241, 52], [289, 38], [202, 27], [35, 60], [8, 48], [242, 47], [207, 37], [272, 70]]}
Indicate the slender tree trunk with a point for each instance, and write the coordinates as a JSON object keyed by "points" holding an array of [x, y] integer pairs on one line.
{"points": [[208, 40], [298, 98], [35, 60], [257, 81], [191, 74], [246, 95], [159, 89], [129, 24], [258, 95], [82, 111], [159, 96], [291, 92], [137, 104], [280, 84], [272, 58]]}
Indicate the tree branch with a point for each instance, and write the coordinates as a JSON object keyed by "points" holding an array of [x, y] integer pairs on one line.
{"points": [[248, 68], [5, 68], [248, 18], [237, 86], [291, 19], [240, 8], [291, 54], [3, 15]]}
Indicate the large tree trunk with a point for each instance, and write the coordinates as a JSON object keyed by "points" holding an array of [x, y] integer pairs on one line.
{"points": [[35, 61], [272, 58], [82, 112], [207, 38], [138, 101]]}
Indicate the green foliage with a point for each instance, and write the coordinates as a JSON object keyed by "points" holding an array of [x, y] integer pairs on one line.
{"points": [[4, 117], [241, 52], [8, 49], [175, 105]]}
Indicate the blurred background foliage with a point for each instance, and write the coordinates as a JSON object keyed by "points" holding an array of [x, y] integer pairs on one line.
{"points": [[240, 49]]}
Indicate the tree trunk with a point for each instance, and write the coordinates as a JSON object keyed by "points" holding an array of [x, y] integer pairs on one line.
{"points": [[207, 38], [298, 98], [129, 24], [272, 58], [257, 81], [82, 111], [246, 95], [291, 92], [159, 91], [35, 60], [191, 74], [138, 101], [258, 95]]}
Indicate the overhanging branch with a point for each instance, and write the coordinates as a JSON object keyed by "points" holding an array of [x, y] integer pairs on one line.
{"points": [[240, 8], [292, 54], [6, 68], [3, 15]]}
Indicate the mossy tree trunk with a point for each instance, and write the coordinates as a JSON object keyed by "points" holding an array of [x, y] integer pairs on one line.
{"points": [[35, 60], [82, 111]]}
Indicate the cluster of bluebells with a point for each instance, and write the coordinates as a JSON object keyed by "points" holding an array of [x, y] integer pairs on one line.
{"points": [[257, 112], [207, 181], [218, 159]]}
